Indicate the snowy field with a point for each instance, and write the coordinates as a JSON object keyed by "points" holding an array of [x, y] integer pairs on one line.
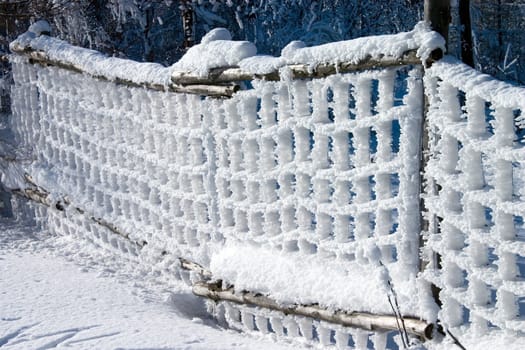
{"points": [[57, 293]]}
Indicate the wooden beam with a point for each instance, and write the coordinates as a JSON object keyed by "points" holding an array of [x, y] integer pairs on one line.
{"points": [[217, 90], [192, 266], [219, 75], [40, 195], [227, 90], [437, 13], [298, 71], [188, 15], [361, 320], [305, 71], [223, 82], [220, 83]]}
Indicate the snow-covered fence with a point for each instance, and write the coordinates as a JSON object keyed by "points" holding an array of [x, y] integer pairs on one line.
{"points": [[303, 187], [133, 157], [315, 171], [321, 172], [476, 200]]}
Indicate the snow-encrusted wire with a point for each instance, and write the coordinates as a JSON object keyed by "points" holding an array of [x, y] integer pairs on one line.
{"points": [[327, 167], [477, 211], [136, 158], [322, 166]]}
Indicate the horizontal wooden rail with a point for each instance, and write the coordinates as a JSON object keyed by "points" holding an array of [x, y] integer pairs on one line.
{"points": [[224, 82], [220, 75], [360, 320], [219, 90], [40, 195], [298, 71], [303, 71], [192, 266]]}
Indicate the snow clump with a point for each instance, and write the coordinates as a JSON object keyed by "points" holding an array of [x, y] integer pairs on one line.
{"points": [[215, 50]]}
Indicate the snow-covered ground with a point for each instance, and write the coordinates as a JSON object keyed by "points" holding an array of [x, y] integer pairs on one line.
{"points": [[58, 293]]}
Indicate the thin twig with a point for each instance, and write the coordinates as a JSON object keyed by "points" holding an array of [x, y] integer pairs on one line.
{"points": [[396, 309], [397, 321], [399, 311], [456, 341]]}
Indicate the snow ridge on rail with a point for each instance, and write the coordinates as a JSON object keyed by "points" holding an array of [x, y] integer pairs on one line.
{"points": [[89, 61], [217, 50], [461, 76]]}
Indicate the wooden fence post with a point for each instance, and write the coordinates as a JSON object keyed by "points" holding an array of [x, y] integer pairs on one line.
{"points": [[437, 13]]}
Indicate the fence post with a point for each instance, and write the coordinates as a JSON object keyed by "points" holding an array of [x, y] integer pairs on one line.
{"points": [[437, 13]]}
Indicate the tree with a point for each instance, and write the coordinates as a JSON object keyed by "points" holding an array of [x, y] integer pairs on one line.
{"points": [[498, 40]]}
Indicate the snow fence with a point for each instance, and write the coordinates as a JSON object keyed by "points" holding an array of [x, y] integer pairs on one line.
{"points": [[305, 189]]}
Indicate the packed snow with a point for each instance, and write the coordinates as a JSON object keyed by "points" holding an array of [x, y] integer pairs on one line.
{"points": [[331, 283], [421, 38], [91, 62], [215, 50]]}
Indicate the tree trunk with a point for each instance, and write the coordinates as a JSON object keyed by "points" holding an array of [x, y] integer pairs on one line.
{"points": [[187, 23], [467, 54]]}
